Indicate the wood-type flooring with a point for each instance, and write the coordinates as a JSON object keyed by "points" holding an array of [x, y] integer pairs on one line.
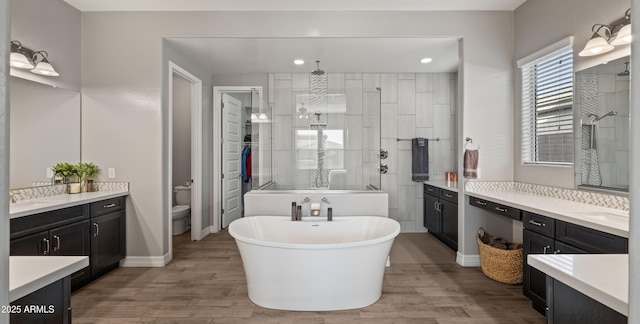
{"points": [[205, 283]]}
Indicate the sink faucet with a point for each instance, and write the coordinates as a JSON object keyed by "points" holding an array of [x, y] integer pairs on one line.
{"points": [[12, 198]]}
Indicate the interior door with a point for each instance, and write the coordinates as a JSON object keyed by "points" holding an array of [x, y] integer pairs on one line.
{"points": [[231, 159]]}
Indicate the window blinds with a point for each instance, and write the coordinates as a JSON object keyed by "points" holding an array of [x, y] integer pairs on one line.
{"points": [[547, 108]]}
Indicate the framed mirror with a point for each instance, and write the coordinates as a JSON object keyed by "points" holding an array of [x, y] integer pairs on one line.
{"points": [[45, 130], [602, 126]]}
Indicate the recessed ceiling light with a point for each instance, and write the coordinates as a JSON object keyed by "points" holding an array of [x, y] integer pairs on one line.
{"points": [[298, 62], [426, 60]]}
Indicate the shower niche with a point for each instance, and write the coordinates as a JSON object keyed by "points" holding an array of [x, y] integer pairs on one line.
{"points": [[602, 126]]}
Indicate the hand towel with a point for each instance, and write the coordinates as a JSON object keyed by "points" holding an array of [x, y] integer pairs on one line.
{"points": [[420, 159], [471, 164]]}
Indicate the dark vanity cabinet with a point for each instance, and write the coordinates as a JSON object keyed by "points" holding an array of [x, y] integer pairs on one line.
{"points": [[545, 235], [50, 304], [108, 241], [440, 214], [96, 230]]}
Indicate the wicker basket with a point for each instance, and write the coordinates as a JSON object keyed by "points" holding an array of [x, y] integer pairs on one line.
{"points": [[500, 265]]}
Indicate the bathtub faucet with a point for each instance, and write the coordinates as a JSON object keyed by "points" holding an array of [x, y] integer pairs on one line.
{"points": [[296, 212]]}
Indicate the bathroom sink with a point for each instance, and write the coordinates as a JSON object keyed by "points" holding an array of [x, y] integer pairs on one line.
{"points": [[613, 217]]}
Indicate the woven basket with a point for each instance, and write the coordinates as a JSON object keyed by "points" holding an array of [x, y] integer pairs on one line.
{"points": [[500, 265]]}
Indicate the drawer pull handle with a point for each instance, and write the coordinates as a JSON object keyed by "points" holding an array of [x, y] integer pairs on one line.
{"points": [[97, 232], [481, 203], [504, 210], [532, 222], [48, 245], [109, 206], [57, 247], [448, 195]]}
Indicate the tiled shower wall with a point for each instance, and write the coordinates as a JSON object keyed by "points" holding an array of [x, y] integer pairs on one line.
{"points": [[412, 105]]}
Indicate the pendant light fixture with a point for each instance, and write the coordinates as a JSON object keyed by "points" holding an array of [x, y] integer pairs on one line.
{"points": [[19, 58], [44, 67], [605, 37], [35, 61]]}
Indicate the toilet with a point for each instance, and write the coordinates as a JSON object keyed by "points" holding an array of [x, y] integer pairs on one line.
{"points": [[181, 212]]}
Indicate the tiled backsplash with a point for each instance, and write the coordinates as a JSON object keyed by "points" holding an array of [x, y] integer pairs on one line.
{"points": [[41, 190], [586, 197]]}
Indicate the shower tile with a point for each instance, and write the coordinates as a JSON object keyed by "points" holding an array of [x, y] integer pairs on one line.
{"points": [[354, 168], [424, 109], [606, 144], [353, 76], [282, 76], [442, 89], [424, 82], [406, 76], [622, 168], [621, 133], [442, 157], [336, 121], [282, 174], [406, 202], [336, 83], [389, 121], [354, 132], [389, 85], [354, 97], [272, 86], [622, 101], [391, 145], [390, 186], [282, 136], [370, 81], [442, 121], [406, 126], [407, 226], [426, 132], [300, 82], [404, 168], [407, 97], [282, 100], [606, 83], [608, 173]]}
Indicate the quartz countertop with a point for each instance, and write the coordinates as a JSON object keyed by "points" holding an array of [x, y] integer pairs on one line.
{"points": [[39, 205], [609, 220], [603, 277], [443, 184], [30, 273]]}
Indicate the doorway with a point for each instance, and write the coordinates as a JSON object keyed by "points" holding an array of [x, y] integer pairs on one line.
{"points": [[233, 107], [185, 138]]}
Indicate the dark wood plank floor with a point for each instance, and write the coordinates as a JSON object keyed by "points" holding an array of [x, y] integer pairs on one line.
{"points": [[205, 283]]}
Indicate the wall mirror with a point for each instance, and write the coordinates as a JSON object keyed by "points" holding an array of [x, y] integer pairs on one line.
{"points": [[602, 126], [45, 130]]}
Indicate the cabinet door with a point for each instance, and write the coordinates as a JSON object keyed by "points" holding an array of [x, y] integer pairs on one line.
{"points": [[432, 215], [107, 241], [449, 212], [31, 245], [72, 239], [535, 281], [50, 304]]}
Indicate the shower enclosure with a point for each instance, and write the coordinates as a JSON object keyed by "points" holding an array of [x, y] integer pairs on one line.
{"points": [[324, 133]]}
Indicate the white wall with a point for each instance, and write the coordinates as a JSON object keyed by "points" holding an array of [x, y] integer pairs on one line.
{"points": [[181, 131], [125, 91], [634, 179], [541, 23], [4, 157]]}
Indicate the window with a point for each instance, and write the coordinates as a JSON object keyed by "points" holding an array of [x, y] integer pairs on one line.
{"points": [[547, 105], [308, 143]]}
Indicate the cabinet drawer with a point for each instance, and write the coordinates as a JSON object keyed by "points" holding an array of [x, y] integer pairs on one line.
{"points": [[449, 195], [499, 209], [590, 240], [107, 206], [538, 223], [26, 225], [431, 190]]}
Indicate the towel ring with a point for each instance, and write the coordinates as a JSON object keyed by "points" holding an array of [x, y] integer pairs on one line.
{"points": [[469, 141]]}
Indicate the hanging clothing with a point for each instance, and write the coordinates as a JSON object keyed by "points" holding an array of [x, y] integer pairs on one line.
{"points": [[245, 164]]}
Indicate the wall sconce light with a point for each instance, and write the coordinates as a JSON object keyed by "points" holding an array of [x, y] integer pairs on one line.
{"points": [[618, 33], [25, 58]]}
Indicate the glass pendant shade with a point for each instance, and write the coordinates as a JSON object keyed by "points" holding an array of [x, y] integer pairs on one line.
{"points": [[44, 68], [595, 46], [623, 37], [19, 60]]}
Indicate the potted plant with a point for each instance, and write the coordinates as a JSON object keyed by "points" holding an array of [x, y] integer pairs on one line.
{"points": [[87, 171], [62, 172]]}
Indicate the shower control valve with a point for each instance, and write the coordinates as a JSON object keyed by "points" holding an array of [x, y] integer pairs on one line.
{"points": [[383, 168], [383, 154]]}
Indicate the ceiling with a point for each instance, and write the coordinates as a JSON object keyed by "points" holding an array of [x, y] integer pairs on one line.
{"points": [[291, 5], [271, 55]]}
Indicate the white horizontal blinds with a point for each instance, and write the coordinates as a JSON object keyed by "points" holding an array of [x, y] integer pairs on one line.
{"points": [[547, 108]]}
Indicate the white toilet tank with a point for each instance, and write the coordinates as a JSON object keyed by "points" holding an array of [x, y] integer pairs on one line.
{"points": [[183, 195]]}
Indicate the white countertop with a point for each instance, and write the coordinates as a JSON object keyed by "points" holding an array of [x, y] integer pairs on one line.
{"points": [[443, 184], [603, 277], [30, 273], [609, 220], [39, 205]]}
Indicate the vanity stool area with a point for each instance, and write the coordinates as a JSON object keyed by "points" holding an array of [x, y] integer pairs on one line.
{"points": [[57, 245]]}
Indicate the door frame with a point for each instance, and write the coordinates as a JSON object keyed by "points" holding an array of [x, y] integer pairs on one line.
{"points": [[196, 154], [216, 194]]}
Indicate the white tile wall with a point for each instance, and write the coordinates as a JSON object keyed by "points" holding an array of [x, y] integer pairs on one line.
{"points": [[413, 105]]}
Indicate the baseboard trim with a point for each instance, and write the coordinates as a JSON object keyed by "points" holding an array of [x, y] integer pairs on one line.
{"points": [[146, 261], [468, 260]]}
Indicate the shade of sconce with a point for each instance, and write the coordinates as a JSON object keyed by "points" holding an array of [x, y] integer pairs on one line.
{"points": [[36, 61], [606, 37]]}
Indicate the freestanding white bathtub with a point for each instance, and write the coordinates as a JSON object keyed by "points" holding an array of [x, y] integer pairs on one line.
{"points": [[314, 265]]}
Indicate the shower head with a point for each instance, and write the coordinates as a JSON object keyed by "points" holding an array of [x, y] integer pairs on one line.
{"points": [[317, 71], [626, 70], [596, 119]]}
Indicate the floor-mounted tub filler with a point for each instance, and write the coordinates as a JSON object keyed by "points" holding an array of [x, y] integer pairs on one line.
{"points": [[313, 264]]}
